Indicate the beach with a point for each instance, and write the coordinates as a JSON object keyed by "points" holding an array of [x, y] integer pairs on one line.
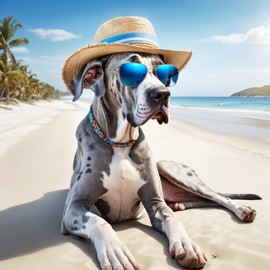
{"points": [[37, 146], [244, 123]]}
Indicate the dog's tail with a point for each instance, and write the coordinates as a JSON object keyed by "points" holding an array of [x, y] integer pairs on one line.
{"points": [[241, 196]]}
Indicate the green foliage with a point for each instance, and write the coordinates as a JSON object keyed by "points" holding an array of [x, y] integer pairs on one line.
{"points": [[16, 81], [8, 28], [263, 91]]}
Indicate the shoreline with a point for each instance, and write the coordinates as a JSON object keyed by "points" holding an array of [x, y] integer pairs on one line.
{"points": [[264, 114], [243, 123], [36, 170], [24, 118]]}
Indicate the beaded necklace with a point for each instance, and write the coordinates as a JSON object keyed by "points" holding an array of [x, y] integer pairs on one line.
{"points": [[101, 134]]}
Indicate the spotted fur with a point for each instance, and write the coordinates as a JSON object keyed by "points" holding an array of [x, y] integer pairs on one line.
{"points": [[121, 183]]}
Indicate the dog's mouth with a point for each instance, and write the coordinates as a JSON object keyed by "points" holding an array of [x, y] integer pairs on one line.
{"points": [[145, 113], [161, 115]]}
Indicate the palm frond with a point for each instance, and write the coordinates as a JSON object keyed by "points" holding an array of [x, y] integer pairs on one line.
{"points": [[18, 42]]}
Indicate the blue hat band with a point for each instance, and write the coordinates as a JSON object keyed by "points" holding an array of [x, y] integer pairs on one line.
{"points": [[131, 37]]}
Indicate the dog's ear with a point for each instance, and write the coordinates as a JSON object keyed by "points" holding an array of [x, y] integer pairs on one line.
{"points": [[94, 78], [91, 74]]}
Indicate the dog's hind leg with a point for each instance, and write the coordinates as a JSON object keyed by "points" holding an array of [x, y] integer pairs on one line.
{"points": [[182, 189]]}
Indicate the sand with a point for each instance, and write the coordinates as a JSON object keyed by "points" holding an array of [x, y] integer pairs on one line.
{"points": [[37, 145]]}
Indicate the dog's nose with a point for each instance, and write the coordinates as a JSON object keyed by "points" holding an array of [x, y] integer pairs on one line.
{"points": [[160, 95]]}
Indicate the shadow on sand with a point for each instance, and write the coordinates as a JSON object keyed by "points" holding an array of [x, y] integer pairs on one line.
{"points": [[34, 226]]}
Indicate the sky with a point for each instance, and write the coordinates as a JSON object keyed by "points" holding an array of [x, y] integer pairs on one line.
{"points": [[230, 39]]}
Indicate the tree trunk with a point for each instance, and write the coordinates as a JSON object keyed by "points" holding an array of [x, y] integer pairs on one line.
{"points": [[3, 92]]}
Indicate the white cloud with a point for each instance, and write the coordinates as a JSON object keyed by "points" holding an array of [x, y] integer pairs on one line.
{"points": [[256, 35], [231, 38], [54, 35], [46, 60], [259, 35], [20, 50]]}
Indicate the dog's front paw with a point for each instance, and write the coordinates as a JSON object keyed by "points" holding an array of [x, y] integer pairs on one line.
{"points": [[187, 254], [111, 253]]}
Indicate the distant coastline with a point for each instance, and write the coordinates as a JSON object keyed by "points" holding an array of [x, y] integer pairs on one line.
{"points": [[263, 91]]}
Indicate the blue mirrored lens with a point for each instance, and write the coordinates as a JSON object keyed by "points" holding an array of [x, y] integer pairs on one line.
{"points": [[167, 74], [132, 74]]}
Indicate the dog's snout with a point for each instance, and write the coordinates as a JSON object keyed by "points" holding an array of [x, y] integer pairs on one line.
{"points": [[160, 95]]}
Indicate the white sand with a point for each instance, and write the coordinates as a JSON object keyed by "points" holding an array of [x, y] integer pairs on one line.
{"points": [[36, 166]]}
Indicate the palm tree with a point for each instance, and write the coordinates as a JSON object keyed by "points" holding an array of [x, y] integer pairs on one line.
{"points": [[27, 90], [8, 28], [10, 77], [15, 79]]}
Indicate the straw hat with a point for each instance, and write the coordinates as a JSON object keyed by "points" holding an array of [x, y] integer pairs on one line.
{"points": [[122, 34]]}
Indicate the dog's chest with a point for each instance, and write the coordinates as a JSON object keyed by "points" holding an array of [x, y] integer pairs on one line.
{"points": [[122, 183]]}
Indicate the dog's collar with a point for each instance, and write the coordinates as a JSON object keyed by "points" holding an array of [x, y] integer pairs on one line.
{"points": [[101, 134]]}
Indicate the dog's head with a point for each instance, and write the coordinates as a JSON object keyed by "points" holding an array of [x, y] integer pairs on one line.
{"points": [[139, 103]]}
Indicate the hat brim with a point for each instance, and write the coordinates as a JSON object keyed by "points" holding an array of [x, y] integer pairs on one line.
{"points": [[81, 57]]}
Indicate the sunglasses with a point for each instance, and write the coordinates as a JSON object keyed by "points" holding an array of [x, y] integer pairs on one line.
{"points": [[132, 74]]}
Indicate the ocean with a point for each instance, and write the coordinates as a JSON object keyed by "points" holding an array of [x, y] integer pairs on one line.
{"points": [[226, 103], [241, 116]]}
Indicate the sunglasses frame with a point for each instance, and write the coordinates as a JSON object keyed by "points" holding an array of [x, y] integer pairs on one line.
{"points": [[147, 70]]}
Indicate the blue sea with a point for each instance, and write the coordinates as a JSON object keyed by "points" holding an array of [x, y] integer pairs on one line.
{"points": [[226, 103], [242, 116]]}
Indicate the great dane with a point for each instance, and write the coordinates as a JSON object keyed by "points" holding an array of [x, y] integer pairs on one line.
{"points": [[123, 182]]}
